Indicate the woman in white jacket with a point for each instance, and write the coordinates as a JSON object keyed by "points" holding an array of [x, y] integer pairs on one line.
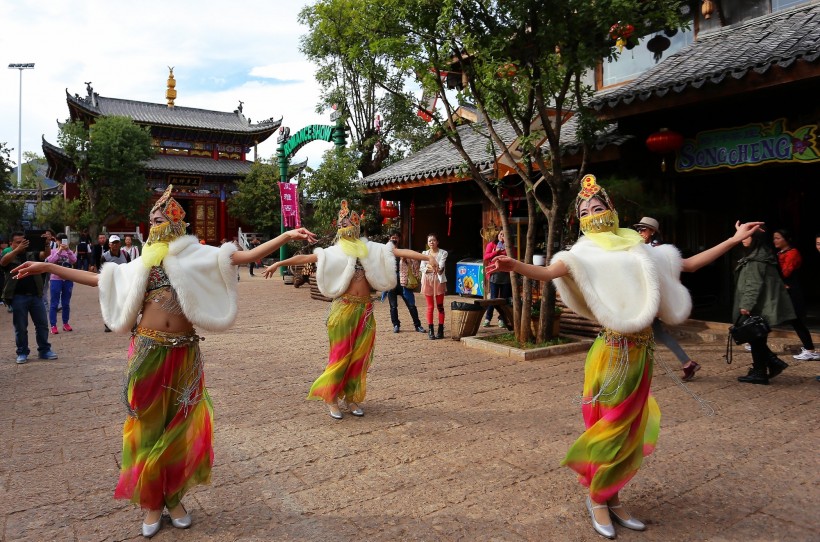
{"points": [[434, 285]]}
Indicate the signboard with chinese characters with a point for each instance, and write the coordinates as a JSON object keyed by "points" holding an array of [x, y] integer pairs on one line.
{"points": [[290, 205], [184, 181], [750, 145]]}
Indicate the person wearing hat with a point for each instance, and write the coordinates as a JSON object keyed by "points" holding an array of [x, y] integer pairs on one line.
{"points": [[649, 230], [115, 253]]}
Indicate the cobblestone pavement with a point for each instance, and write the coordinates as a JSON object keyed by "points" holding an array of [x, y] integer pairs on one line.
{"points": [[456, 444]]}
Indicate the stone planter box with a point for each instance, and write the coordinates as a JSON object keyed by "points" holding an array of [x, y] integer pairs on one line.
{"points": [[581, 345]]}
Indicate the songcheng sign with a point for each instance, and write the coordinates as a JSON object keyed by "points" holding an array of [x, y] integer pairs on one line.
{"points": [[750, 145]]}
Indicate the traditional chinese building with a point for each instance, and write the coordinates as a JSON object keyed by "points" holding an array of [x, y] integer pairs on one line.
{"points": [[201, 152]]}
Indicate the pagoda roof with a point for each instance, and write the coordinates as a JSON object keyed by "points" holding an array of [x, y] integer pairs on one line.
{"points": [[742, 53], [194, 165], [155, 114], [441, 160]]}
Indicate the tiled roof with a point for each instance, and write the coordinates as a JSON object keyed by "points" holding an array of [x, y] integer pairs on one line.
{"points": [[779, 39], [182, 117], [441, 159], [198, 166]]}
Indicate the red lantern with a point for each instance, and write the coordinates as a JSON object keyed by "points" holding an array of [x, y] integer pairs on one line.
{"points": [[664, 142], [388, 209], [448, 212], [621, 33], [412, 214]]}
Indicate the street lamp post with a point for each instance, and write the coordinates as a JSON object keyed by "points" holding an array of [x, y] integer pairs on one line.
{"points": [[21, 67]]}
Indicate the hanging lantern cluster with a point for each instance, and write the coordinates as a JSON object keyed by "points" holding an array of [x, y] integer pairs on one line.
{"points": [[621, 32], [448, 211], [664, 142], [389, 211]]}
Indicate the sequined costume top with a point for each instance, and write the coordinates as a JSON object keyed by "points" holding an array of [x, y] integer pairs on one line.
{"points": [[159, 290]]}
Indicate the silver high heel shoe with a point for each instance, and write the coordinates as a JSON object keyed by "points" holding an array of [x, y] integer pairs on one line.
{"points": [[355, 409], [630, 523], [603, 530], [149, 530], [335, 413], [182, 523]]}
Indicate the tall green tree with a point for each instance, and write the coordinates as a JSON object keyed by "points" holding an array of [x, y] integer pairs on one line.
{"points": [[523, 64], [109, 157], [258, 198], [351, 73], [10, 209], [336, 179]]}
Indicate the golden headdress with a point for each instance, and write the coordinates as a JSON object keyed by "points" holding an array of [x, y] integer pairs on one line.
{"points": [[156, 246], [348, 223], [603, 227], [348, 231]]}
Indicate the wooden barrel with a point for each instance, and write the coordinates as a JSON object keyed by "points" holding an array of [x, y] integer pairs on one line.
{"points": [[314, 290]]}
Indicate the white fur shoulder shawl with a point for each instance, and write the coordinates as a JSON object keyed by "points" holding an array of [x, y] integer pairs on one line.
{"points": [[202, 276], [334, 268], [624, 290]]}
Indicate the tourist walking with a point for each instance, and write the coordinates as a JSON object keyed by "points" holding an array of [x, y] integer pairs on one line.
{"points": [[434, 285], [760, 291], [790, 262], [649, 230], [61, 289], [83, 252], [25, 297], [347, 272], [175, 285], [612, 276]]}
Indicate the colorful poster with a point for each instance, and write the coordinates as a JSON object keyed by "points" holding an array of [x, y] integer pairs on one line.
{"points": [[290, 205], [750, 145]]}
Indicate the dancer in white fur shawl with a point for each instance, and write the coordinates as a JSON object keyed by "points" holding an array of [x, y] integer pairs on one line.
{"points": [[611, 276], [176, 284], [347, 272]]}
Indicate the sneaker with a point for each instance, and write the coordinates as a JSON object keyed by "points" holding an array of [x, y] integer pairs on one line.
{"points": [[748, 347], [486, 323], [690, 370], [49, 355], [807, 355], [501, 325], [421, 329], [395, 329], [67, 327], [54, 330], [22, 358]]}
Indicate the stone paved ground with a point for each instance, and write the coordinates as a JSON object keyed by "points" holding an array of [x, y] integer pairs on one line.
{"points": [[456, 444]]}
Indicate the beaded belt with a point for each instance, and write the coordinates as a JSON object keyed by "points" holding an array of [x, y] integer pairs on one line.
{"points": [[169, 338], [355, 298], [640, 338]]}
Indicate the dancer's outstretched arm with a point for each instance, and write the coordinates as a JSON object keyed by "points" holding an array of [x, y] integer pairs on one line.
{"points": [[693, 263], [257, 253], [537, 272], [299, 259], [413, 255], [75, 275]]}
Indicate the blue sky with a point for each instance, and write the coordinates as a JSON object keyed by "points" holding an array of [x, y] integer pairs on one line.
{"points": [[222, 52]]}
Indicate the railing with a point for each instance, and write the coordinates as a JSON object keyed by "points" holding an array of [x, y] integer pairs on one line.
{"points": [[245, 238]]}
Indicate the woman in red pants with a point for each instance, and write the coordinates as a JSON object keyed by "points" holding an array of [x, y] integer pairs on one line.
{"points": [[434, 285]]}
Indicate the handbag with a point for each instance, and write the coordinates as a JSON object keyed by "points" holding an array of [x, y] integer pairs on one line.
{"points": [[750, 329], [412, 278]]}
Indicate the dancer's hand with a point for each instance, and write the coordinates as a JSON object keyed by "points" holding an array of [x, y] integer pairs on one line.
{"points": [[742, 231], [302, 234], [270, 270], [501, 263], [28, 269], [433, 263]]}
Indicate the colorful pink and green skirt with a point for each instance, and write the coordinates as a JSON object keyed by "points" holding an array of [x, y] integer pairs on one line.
{"points": [[351, 329], [167, 443], [621, 417]]}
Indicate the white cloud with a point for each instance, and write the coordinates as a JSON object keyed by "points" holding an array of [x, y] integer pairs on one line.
{"points": [[221, 53]]}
